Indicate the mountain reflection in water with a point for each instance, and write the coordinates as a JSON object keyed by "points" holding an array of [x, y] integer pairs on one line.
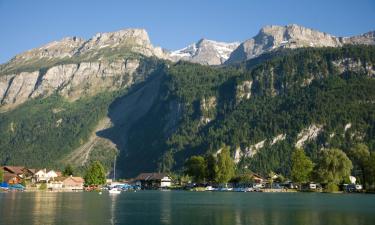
{"points": [[173, 207]]}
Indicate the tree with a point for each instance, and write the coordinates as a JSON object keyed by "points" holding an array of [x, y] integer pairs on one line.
{"points": [[1, 175], [225, 166], [370, 171], [302, 166], [68, 171], [333, 166], [95, 175], [196, 167], [360, 155], [211, 167]]}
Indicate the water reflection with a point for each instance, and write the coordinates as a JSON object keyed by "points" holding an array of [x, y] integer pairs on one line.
{"points": [[167, 208], [44, 208], [113, 208]]}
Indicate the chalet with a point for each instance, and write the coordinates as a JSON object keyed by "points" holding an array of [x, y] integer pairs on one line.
{"points": [[15, 170], [13, 174], [73, 183], [257, 178], [56, 184], [153, 180], [11, 178], [44, 176]]}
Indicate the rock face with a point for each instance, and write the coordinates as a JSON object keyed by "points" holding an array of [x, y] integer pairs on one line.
{"points": [[308, 134], [207, 108], [206, 52], [74, 67], [272, 38], [134, 40], [243, 91], [70, 80]]}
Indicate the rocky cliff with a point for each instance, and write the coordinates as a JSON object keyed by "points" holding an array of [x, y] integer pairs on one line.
{"points": [[74, 68], [292, 36]]}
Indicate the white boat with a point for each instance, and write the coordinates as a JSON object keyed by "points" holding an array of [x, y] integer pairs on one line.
{"points": [[210, 188], [114, 191]]}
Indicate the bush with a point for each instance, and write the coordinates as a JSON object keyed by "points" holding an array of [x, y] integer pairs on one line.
{"points": [[331, 187]]}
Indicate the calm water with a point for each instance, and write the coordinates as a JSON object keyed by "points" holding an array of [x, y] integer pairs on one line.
{"points": [[154, 207]]}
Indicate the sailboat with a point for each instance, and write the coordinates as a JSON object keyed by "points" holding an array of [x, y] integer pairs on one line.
{"points": [[114, 190]]}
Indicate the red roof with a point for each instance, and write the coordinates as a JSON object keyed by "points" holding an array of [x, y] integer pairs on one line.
{"points": [[14, 169], [74, 179]]}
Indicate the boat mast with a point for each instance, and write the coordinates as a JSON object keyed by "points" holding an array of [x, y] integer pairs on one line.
{"points": [[114, 170]]}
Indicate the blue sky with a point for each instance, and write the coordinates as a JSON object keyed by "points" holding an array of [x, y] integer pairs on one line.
{"points": [[172, 24]]}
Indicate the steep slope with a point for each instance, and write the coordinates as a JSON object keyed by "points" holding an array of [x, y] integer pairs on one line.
{"points": [[205, 52], [74, 68], [305, 97], [271, 38]]}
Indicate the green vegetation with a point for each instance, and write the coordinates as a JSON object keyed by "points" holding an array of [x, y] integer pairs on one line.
{"points": [[225, 166], [196, 168], [95, 175], [68, 171], [333, 167], [290, 92], [218, 169], [1, 175], [211, 167], [41, 132], [43, 64], [302, 166], [370, 170], [43, 186]]}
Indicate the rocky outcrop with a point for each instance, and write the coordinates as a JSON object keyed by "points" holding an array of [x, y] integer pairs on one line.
{"points": [[308, 134], [357, 66], [207, 108], [100, 46], [271, 38], [70, 80], [206, 52], [74, 67], [243, 90]]}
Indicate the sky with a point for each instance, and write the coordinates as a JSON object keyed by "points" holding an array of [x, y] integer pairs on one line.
{"points": [[172, 24]]}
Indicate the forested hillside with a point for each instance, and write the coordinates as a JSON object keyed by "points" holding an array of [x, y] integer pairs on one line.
{"points": [[262, 109], [201, 108]]}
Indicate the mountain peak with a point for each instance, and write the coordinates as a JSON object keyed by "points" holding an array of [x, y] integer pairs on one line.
{"points": [[205, 51], [274, 37], [135, 39], [140, 36]]}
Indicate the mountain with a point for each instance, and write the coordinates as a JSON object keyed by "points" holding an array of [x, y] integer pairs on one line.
{"points": [[271, 38], [310, 98], [74, 68], [75, 101], [205, 52]]}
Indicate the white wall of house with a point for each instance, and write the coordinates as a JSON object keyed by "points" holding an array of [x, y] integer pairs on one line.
{"points": [[165, 182], [55, 185], [43, 175]]}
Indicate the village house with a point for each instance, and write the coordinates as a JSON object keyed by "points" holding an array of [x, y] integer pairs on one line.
{"points": [[257, 178], [73, 183], [44, 176], [66, 184], [153, 180], [14, 174]]}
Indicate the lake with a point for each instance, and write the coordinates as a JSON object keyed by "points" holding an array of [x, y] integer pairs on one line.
{"points": [[180, 207]]}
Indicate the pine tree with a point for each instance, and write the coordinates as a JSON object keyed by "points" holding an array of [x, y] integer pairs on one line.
{"points": [[95, 175]]}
